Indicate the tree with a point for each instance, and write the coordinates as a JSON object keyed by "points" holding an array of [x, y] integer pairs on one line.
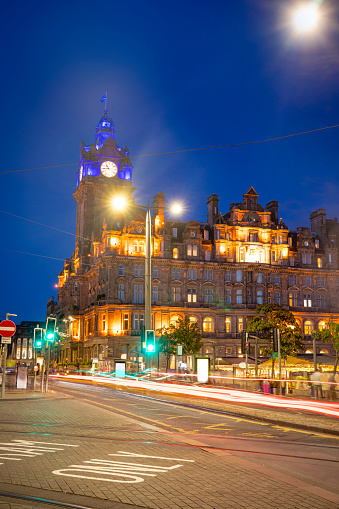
{"points": [[270, 316], [330, 334], [184, 333], [167, 345]]}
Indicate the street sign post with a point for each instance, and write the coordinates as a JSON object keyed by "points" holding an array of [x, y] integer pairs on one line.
{"points": [[7, 329]]}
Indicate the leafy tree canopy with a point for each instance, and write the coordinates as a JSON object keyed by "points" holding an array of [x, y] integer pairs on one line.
{"points": [[330, 334], [270, 316], [184, 333]]}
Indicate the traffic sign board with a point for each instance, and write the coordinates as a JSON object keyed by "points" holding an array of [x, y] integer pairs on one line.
{"points": [[7, 328], [6, 341]]}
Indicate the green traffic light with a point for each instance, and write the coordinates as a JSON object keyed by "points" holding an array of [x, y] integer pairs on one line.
{"points": [[150, 348], [50, 336]]}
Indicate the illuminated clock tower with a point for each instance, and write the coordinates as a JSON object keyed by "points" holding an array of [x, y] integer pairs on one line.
{"points": [[105, 170]]}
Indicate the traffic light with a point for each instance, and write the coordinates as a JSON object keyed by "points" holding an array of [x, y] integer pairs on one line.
{"points": [[142, 338], [276, 334], [244, 342], [50, 329], [37, 338], [150, 341]]}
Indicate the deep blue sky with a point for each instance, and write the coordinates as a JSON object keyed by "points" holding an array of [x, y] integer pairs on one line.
{"points": [[179, 74]]}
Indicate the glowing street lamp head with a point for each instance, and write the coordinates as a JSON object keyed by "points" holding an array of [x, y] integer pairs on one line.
{"points": [[119, 203], [176, 208], [306, 18]]}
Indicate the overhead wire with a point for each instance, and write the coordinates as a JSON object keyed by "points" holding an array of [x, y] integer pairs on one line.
{"points": [[190, 149]]}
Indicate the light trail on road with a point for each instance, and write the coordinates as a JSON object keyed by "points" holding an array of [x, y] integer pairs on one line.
{"points": [[227, 395]]}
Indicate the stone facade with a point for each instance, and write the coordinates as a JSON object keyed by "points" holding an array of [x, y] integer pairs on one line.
{"points": [[215, 272]]}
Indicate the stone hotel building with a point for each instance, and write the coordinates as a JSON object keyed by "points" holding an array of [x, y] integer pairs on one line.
{"points": [[215, 272]]}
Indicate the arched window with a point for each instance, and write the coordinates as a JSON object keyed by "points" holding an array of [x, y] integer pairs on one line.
{"points": [[323, 350], [208, 324], [321, 325], [174, 320], [189, 250], [121, 270], [175, 252], [193, 319], [308, 328]]}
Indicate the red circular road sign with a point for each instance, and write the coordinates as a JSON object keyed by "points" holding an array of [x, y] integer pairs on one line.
{"points": [[7, 328]]}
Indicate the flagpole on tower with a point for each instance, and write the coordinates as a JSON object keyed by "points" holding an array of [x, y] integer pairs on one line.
{"points": [[104, 98]]}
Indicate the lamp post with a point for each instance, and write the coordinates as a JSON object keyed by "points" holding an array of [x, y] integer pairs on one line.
{"points": [[120, 203]]}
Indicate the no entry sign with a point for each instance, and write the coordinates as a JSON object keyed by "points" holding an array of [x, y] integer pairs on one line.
{"points": [[7, 328]]}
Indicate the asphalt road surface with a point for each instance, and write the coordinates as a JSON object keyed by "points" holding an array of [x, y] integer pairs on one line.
{"points": [[90, 446]]}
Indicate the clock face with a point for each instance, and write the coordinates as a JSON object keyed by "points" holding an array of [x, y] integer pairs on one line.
{"points": [[306, 243], [80, 172], [109, 169]]}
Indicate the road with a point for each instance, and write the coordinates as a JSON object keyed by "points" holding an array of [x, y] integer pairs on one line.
{"points": [[97, 447]]}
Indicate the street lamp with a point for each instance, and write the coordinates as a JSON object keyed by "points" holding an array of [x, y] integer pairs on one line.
{"points": [[306, 18], [120, 203]]}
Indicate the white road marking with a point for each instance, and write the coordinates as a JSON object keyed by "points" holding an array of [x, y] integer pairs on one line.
{"points": [[112, 469]]}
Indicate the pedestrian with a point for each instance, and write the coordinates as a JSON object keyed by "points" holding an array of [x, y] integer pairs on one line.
{"points": [[316, 389], [333, 387], [265, 386]]}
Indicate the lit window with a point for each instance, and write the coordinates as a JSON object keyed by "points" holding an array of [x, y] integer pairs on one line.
{"points": [[191, 295], [308, 328], [321, 325], [307, 301], [240, 324], [174, 320], [317, 243], [193, 319], [319, 263], [175, 294], [175, 253], [125, 322], [195, 251], [208, 325], [189, 250], [228, 324], [292, 299], [103, 322]]}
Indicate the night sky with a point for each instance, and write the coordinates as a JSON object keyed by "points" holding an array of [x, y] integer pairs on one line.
{"points": [[179, 75]]}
